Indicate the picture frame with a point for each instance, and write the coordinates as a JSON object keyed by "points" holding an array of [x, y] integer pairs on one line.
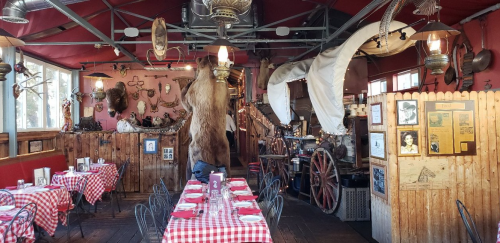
{"points": [[405, 149], [377, 145], [35, 146], [407, 112], [150, 145], [168, 153], [378, 180], [376, 117]]}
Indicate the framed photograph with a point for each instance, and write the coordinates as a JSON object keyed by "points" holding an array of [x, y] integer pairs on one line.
{"points": [[408, 142], [377, 145], [168, 153], [407, 112], [376, 113], [378, 180], [35, 146], [150, 145]]}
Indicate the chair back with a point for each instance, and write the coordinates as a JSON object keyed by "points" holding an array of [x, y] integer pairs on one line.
{"points": [[118, 177], [167, 193], [266, 180], [147, 224], [6, 198], [78, 190], [274, 215], [470, 226], [23, 221], [160, 209]]}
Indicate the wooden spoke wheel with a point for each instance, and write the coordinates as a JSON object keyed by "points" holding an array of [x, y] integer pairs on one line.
{"points": [[280, 166], [325, 181]]}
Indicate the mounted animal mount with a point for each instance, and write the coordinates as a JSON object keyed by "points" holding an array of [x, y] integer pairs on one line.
{"points": [[99, 107], [18, 88], [183, 81], [78, 95], [141, 107], [138, 84], [123, 70], [154, 107], [21, 69], [117, 99], [263, 78]]}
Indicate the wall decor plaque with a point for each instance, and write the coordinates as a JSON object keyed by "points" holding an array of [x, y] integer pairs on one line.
{"points": [[379, 180], [450, 127], [376, 114], [377, 145], [423, 174]]}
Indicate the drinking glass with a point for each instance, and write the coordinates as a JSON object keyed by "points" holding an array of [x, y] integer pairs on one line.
{"points": [[213, 207], [225, 192], [220, 202], [20, 184], [213, 194], [71, 169]]}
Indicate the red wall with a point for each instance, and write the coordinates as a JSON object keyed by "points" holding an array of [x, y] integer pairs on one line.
{"points": [[109, 123], [408, 58]]}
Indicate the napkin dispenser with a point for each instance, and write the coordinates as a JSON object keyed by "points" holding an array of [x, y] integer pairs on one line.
{"points": [[215, 181], [41, 172], [80, 163]]}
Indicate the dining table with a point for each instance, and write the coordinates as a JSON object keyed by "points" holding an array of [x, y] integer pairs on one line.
{"points": [[47, 201], [108, 172], [93, 190], [5, 219], [227, 226]]}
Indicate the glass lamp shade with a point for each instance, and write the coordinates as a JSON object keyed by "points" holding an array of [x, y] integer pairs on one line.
{"points": [[215, 46]]}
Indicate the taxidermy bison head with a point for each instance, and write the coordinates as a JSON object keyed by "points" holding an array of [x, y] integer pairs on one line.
{"points": [[117, 99], [206, 66]]}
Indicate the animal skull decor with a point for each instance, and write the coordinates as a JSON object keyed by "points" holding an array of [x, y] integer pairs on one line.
{"points": [[141, 107], [78, 95], [154, 107], [99, 107], [167, 88]]}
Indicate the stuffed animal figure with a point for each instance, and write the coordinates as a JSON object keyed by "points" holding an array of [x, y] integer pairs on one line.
{"points": [[133, 119], [166, 119], [157, 121], [207, 100], [117, 98]]}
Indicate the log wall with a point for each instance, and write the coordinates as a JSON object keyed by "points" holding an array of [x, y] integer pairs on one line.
{"points": [[258, 128], [432, 215]]}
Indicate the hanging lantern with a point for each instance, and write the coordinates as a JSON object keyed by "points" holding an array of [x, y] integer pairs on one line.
{"points": [[221, 47], [7, 40], [98, 93]]}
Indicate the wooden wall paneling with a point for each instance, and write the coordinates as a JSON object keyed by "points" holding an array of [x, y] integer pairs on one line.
{"points": [[68, 145], [148, 167], [421, 195], [94, 146], [492, 224], [403, 195], [477, 172], [77, 145], [392, 165], [446, 202], [433, 213], [457, 171], [469, 171], [120, 155], [483, 161], [4, 149], [135, 161]]}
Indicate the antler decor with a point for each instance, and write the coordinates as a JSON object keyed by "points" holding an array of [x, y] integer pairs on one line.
{"points": [[18, 88], [78, 95]]}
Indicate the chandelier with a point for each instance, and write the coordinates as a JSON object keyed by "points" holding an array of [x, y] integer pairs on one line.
{"points": [[225, 12]]}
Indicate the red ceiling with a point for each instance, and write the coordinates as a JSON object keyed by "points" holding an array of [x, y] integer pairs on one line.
{"points": [[273, 10]]}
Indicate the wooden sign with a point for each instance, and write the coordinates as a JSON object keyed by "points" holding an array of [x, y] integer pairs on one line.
{"points": [[423, 174], [450, 127]]}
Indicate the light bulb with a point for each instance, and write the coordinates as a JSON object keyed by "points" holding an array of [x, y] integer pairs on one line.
{"points": [[98, 84], [188, 67], [434, 43], [223, 55], [117, 51]]}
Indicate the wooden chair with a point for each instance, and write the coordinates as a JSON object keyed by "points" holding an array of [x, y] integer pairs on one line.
{"points": [[147, 224], [24, 220], [274, 215], [77, 195], [468, 222], [161, 210], [6, 198]]}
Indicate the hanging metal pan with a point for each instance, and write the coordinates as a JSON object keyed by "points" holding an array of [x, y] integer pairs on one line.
{"points": [[483, 58]]}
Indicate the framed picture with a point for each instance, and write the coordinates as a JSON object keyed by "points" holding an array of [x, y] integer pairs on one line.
{"points": [[407, 112], [376, 113], [408, 142], [377, 145], [378, 180], [168, 153], [150, 145], [35, 146]]}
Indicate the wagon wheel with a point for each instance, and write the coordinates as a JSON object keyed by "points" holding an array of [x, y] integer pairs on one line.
{"points": [[280, 147], [325, 181]]}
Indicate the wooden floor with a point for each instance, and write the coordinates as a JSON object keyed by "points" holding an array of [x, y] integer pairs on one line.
{"points": [[299, 222]]}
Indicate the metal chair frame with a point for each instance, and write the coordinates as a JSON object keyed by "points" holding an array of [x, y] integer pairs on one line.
{"points": [[6, 198], [274, 215], [127, 163], [77, 196], [113, 191], [164, 190], [24, 219], [474, 235], [266, 181], [161, 210], [147, 225]]}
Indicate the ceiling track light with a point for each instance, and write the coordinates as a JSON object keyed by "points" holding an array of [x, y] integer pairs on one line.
{"points": [[403, 35], [83, 68]]}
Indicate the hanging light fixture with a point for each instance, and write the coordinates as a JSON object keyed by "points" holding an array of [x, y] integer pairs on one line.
{"points": [[98, 93], [222, 47], [226, 12], [433, 32], [7, 40]]}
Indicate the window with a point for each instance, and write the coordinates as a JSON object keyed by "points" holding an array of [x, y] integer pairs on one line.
{"points": [[42, 111], [406, 80], [377, 87]]}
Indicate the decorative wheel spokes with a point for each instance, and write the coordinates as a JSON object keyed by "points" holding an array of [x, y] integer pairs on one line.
{"points": [[325, 181]]}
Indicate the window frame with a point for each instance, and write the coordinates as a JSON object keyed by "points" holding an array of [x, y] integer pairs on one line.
{"points": [[380, 81], [411, 72], [45, 95]]}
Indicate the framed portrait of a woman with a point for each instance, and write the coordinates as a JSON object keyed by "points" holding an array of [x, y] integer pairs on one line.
{"points": [[408, 142]]}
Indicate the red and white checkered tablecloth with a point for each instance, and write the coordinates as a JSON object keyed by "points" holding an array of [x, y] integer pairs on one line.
{"points": [[46, 202], [4, 225], [95, 185], [108, 171], [226, 227]]}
